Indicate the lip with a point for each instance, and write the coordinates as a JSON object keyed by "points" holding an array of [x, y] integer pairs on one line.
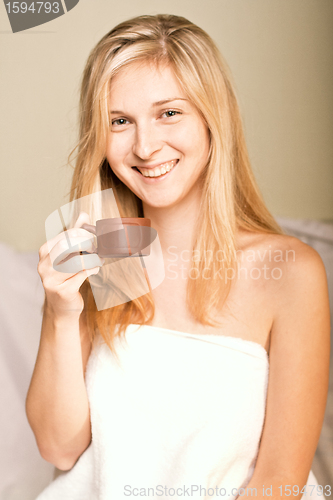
{"points": [[152, 180]]}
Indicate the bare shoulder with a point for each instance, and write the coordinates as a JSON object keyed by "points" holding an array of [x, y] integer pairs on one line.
{"points": [[300, 265], [261, 240], [302, 293], [287, 257], [285, 271]]}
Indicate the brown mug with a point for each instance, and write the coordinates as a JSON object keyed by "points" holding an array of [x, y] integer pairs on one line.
{"points": [[122, 237]]}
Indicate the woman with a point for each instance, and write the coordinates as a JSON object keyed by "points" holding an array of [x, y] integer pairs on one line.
{"points": [[225, 384]]}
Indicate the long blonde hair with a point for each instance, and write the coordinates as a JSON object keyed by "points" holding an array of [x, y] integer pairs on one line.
{"points": [[230, 198]]}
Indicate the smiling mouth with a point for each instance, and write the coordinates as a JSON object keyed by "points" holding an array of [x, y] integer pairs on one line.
{"points": [[159, 171]]}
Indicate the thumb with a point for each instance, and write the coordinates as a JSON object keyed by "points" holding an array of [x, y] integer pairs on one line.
{"points": [[83, 218]]}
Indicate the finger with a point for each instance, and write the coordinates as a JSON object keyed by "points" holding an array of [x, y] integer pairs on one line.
{"points": [[83, 218], [71, 246], [49, 276], [62, 251], [79, 263], [73, 241], [47, 247], [73, 284], [52, 277]]}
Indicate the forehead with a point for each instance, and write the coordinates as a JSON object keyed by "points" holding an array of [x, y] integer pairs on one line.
{"points": [[144, 82]]}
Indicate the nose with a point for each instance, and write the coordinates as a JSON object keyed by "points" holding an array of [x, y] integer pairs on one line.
{"points": [[147, 141]]}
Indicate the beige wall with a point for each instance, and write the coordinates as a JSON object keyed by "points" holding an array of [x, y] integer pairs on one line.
{"points": [[280, 52]]}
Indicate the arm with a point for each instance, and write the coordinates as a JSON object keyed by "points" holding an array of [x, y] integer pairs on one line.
{"points": [[299, 375], [57, 404]]}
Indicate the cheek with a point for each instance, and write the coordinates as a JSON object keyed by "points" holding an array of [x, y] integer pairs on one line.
{"points": [[116, 149], [192, 140], [181, 139], [202, 137]]}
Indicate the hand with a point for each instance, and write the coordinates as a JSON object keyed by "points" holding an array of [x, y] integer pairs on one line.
{"points": [[62, 288]]}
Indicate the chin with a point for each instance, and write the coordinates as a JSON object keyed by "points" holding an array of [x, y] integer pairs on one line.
{"points": [[161, 203]]}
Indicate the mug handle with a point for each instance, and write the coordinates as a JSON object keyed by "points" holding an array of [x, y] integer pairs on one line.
{"points": [[90, 228]]}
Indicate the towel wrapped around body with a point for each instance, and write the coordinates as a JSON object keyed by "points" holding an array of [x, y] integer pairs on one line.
{"points": [[177, 414]]}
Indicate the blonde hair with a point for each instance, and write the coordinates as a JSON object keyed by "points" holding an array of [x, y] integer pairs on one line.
{"points": [[230, 198]]}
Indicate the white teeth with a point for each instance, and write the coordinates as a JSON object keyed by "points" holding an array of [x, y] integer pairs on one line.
{"points": [[158, 171]]}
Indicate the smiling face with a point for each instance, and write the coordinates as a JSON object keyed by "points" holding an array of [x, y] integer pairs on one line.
{"points": [[158, 142]]}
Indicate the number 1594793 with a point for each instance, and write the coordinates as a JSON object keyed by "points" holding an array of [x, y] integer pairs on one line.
{"points": [[32, 7]]}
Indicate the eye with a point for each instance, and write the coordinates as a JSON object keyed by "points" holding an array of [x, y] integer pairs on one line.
{"points": [[119, 120], [171, 111]]}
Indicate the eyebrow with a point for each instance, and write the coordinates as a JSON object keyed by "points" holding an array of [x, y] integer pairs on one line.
{"points": [[158, 103]]}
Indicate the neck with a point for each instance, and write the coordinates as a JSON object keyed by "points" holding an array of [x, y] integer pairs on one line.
{"points": [[175, 225]]}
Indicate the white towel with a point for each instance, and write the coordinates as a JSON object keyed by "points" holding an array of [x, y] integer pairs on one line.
{"points": [[180, 415]]}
